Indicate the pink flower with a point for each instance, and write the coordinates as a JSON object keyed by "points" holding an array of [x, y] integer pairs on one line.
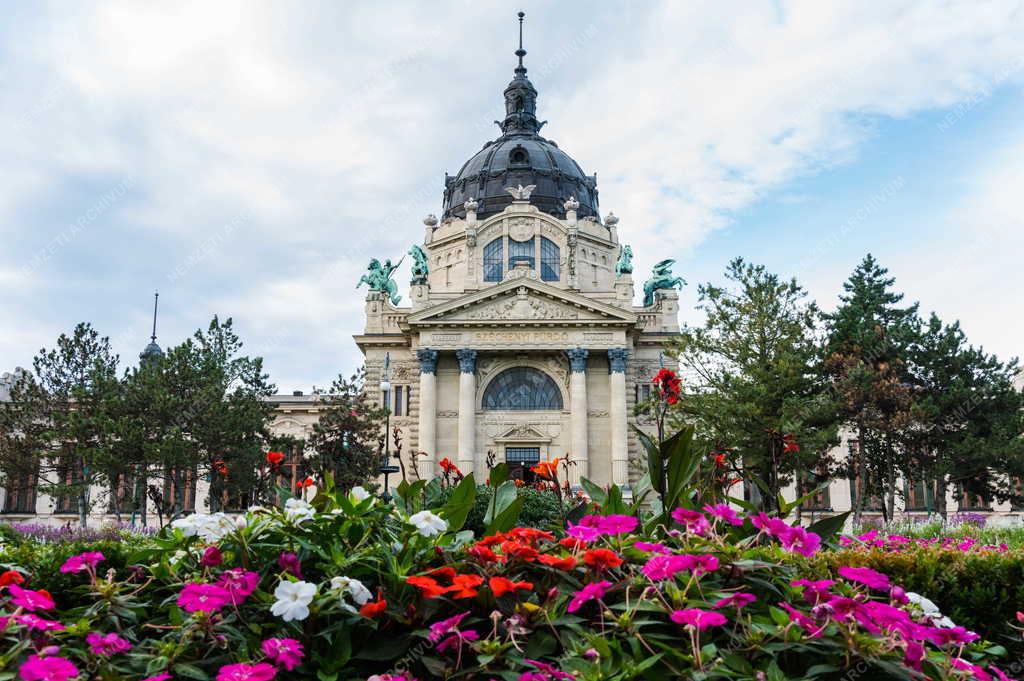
{"points": [[913, 655], [30, 600], [805, 622], [694, 521], [261, 671], [799, 540], [585, 533], [289, 562], [445, 626], [448, 630], [737, 600], [724, 512], [106, 645], [865, 576], [591, 592], [548, 671], [774, 527], [286, 652], [617, 524], [814, 590], [212, 557], [196, 597], [660, 567], [648, 547], [239, 584], [701, 619], [38, 668], [162, 676], [976, 671], [83, 561], [34, 623]]}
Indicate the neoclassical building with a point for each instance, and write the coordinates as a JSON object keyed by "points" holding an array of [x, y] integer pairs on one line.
{"points": [[522, 341]]}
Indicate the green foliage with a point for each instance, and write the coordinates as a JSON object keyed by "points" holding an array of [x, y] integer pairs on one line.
{"points": [[538, 508]]}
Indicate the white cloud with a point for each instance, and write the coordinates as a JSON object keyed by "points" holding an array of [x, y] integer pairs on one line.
{"points": [[329, 127]]}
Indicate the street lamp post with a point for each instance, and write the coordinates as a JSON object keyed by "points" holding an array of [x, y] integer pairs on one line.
{"points": [[386, 467]]}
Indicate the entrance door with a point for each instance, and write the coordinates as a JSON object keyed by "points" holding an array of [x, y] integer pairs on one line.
{"points": [[520, 460]]}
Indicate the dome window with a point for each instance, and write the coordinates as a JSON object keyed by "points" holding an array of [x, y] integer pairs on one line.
{"points": [[519, 157]]}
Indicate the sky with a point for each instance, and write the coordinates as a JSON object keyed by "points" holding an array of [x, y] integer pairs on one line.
{"points": [[247, 159]]}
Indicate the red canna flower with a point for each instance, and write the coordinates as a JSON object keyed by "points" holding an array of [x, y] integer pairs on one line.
{"points": [[502, 585], [546, 470], [464, 586], [789, 444], [448, 467], [669, 385], [601, 559], [220, 467], [302, 484], [275, 459], [564, 564]]}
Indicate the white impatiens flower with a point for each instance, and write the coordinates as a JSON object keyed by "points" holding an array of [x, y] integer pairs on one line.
{"points": [[358, 494], [353, 587], [428, 524], [209, 527], [927, 606], [298, 510], [293, 599]]}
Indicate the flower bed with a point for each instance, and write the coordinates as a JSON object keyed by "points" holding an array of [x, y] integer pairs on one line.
{"points": [[347, 587]]}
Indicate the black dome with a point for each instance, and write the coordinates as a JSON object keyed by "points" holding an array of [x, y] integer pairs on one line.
{"points": [[520, 157]]}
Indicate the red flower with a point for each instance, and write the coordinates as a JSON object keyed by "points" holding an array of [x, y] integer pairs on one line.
{"points": [[502, 585], [789, 444], [11, 577], [601, 559], [374, 608], [220, 467], [464, 586], [669, 385], [524, 552], [448, 467], [428, 586], [563, 564], [529, 534], [275, 459], [572, 543], [302, 484], [546, 470], [446, 574], [483, 554]]}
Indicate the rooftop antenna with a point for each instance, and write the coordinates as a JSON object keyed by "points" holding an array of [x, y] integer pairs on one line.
{"points": [[521, 52], [156, 299]]}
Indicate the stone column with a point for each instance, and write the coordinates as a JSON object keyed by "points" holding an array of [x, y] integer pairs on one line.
{"points": [[578, 410], [428, 411], [467, 410], [617, 415]]}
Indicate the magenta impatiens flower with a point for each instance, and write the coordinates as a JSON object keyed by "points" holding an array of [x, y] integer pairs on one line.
{"points": [[195, 597], [36, 623], [286, 652], [212, 557], [83, 561], [866, 576], [799, 540], [289, 562], [30, 600], [38, 668], [162, 676], [695, 522], [736, 600], [106, 645], [591, 592], [724, 512], [616, 524], [660, 567], [261, 671], [700, 619], [649, 547], [239, 584]]}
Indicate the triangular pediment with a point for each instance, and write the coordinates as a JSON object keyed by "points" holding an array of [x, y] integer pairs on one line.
{"points": [[524, 301], [522, 432]]}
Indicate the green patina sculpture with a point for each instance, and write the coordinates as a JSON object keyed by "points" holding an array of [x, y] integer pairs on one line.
{"points": [[661, 278], [420, 268], [379, 278], [624, 265]]}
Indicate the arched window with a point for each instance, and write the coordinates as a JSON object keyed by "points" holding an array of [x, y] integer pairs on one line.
{"points": [[492, 260], [521, 251], [522, 389], [549, 259]]}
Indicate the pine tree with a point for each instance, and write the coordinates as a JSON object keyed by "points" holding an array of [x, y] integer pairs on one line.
{"points": [[758, 388], [869, 336]]}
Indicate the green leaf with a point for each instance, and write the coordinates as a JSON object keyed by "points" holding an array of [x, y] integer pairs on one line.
{"points": [[499, 474], [683, 463], [827, 528], [508, 518], [191, 672], [460, 504], [596, 493], [503, 497]]}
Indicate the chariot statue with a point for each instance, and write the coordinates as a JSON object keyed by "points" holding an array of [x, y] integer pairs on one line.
{"points": [[420, 266], [378, 278], [661, 279], [624, 265]]}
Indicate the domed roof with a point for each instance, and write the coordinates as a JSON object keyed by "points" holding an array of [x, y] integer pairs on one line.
{"points": [[520, 156]]}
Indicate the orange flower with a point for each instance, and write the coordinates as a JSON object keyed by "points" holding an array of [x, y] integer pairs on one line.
{"points": [[547, 470], [502, 585], [601, 559], [275, 459], [428, 586], [11, 577], [374, 608], [563, 564], [464, 586]]}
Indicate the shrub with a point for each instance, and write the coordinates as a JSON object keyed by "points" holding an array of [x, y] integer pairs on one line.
{"points": [[541, 508]]}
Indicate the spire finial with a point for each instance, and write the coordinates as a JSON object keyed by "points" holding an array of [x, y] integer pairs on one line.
{"points": [[156, 299], [521, 52]]}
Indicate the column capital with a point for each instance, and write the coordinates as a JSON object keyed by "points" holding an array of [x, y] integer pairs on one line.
{"points": [[467, 360], [428, 360], [577, 359], [617, 360]]}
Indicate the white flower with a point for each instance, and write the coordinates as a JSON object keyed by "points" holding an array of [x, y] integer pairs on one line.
{"points": [[241, 522], [944, 623], [210, 527], [928, 607], [353, 587], [298, 510], [293, 599], [428, 524], [358, 494]]}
